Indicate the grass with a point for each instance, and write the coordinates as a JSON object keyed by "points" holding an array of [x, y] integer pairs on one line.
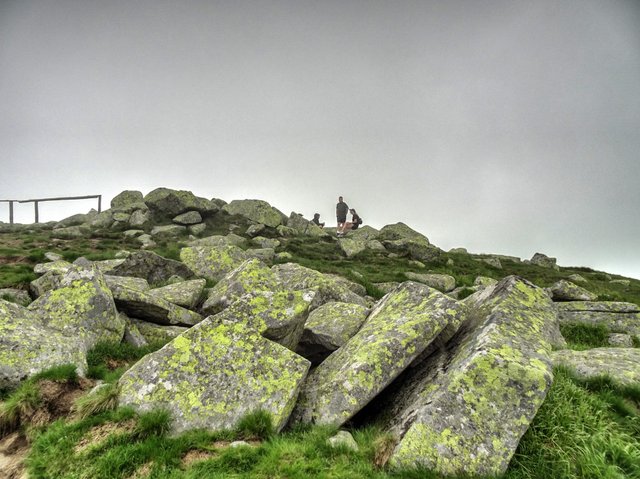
{"points": [[581, 336], [107, 361], [105, 398]]}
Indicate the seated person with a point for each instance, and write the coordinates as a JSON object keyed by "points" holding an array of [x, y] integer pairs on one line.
{"points": [[355, 222], [316, 220]]}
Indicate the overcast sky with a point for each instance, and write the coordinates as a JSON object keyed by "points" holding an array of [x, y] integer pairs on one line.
{"points": [[500, 126]]}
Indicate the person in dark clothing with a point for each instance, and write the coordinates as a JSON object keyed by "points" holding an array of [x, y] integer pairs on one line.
{"points": [[316, 220], [341, 213], [354, 224]]}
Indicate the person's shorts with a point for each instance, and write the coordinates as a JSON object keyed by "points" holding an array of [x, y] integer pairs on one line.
{"points": [[354, 226], [342, 219]]}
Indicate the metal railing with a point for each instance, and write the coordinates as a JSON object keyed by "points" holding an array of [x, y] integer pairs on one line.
{"points": [[36, 201]]}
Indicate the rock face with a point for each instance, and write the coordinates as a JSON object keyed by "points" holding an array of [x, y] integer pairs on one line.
{"points": [[256, 210], [213, 375], [616, 316], [351, 247], [464, 409], [167, 203], [28, 347], [401, 326], [212, 262], [619, 363], [152, 267], [82, 307], [143, 305], [126, 198], [566, 291], [328, 328], [304, 226]]}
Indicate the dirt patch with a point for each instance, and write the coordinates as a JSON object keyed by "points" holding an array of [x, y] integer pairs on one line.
{"points": [[14, 260], [197, 455], [142, 472], [14, 448], [113, 364], [97, 434], [58, 398]]}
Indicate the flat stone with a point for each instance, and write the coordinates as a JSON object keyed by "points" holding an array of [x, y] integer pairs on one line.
{"points": [[152, 267], [621, 364], [188, 218], [142, 305], [565, 290], [186, 293], [212, 262], [441, 282]]}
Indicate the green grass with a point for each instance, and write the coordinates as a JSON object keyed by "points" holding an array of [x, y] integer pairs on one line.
{"points": [[581, 336]]}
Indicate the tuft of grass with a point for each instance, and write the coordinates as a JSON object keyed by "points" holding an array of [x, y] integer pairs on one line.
{"points": [[153, 423], [581, 336], [64, 372], [256, 425], [105, 398], [105, 353], [21, 403]]}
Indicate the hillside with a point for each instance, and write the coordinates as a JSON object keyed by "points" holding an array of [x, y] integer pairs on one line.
{"points": [[148, 339]]}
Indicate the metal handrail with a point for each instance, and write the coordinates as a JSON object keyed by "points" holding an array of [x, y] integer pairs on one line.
{"points": [[36, 201]]}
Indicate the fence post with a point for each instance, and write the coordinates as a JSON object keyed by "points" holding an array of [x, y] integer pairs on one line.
{"points": [[99, 203], [35, 203], [10, 212]]}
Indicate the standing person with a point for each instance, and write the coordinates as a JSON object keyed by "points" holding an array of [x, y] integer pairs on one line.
{"points": [[354, 224], [341, 213]]}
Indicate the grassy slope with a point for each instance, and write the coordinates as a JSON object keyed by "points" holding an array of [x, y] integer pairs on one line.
{"points": [[582, 430]]}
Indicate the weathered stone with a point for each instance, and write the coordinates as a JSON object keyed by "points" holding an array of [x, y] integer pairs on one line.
{"points": [[51, 256], [213, 375], [263, 254], [105, 266], [58, 267], [146, 241], [17, 296], [126, 198], [328, 328], [464, 409], [168, 231], [71, 232], [188, 218], [343, 439], [76, 220], [157, 333], [441, 282], [566, 291], [212, 262], [251, 275], [576, 278], [283, 256], [621, 364], [102, 220], [484, 281], [44, 283], [28, 347], [258, 211], [279, 316], [543, 260], [142, 305], [617, 317], [366, 233], [351, 247], [293, 277], [152, 267], [140, 219], [623, 282], [133, 233], [375, 245], [82, 306], [304, 226], [186, 294], [263, 242], [387, 287], [400, 231], [220, 241], [167, 203], [121, 216], [398, 329], [130, 282], [492, 261], [198, 229], [285, 231], [618, 340], [132, 334], [351, 285], [255, 230], [458, 251]]}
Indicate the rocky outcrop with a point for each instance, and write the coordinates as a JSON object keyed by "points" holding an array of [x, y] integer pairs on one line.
{"points": [[567, 291], [465, 409], [543, 260], [152, 267], [213, 375], [621, 364], [165, 203], [257, 211], [305, 227], [398, 329], [441, 282]]}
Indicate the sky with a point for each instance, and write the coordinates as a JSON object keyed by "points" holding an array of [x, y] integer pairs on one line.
{"points": [[505, 127]]}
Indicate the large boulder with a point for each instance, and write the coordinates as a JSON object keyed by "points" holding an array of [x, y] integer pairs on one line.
{"points": [[543, 260], [617, 317], [441, 282], [126, 198], [185, 293], [188, 218], [28, 347], [400, 231], [152, 267], [278, 316], [258, 211], [292, 276], [352, 246], [397, 330], [165, 203], [212, 262], [304, 226], [328, 328], [143, 305], [565, 290], [621, 364], [251, 276], [82, 307], [213, 375], [464, 409]]}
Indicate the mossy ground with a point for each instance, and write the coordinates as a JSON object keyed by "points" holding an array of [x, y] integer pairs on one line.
{"points": [[583, 429]]}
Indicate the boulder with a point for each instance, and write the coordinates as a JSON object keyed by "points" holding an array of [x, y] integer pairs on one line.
{"points": [[458, 251], [157, 333], [105, 266], [13, 295], [130, 282], [292, 276], [71, 232], [213, 375], [278, 316], [366, 233], [400, 231], [126, 198], [441, 282], [255, 230], [619, 340], [142, 305], [132, 334], [263, 242], [76, 220], [543, 260], [492, 261], [251, 276], [165, 203], [82, 307], [263, 254], [220, 241], [576, 278], [257, 211], [387, 287], [44, 283], [304, 226], [152, 267], [198, 229], [621, 364], [285, 231], [328, 328], [186, 293], [188, 218], [212, 262], [351, 247], [566, 291], [58, 267], [140, 219], [121, 216], [102, 220], [344, 440], [617, 317], [484, 281], [29, 347], [168, 232], [397, 330], [464, 409]]}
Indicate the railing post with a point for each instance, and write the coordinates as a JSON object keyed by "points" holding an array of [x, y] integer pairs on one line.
{"points": [[10, 212], [99, 203], [35, 203]]}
